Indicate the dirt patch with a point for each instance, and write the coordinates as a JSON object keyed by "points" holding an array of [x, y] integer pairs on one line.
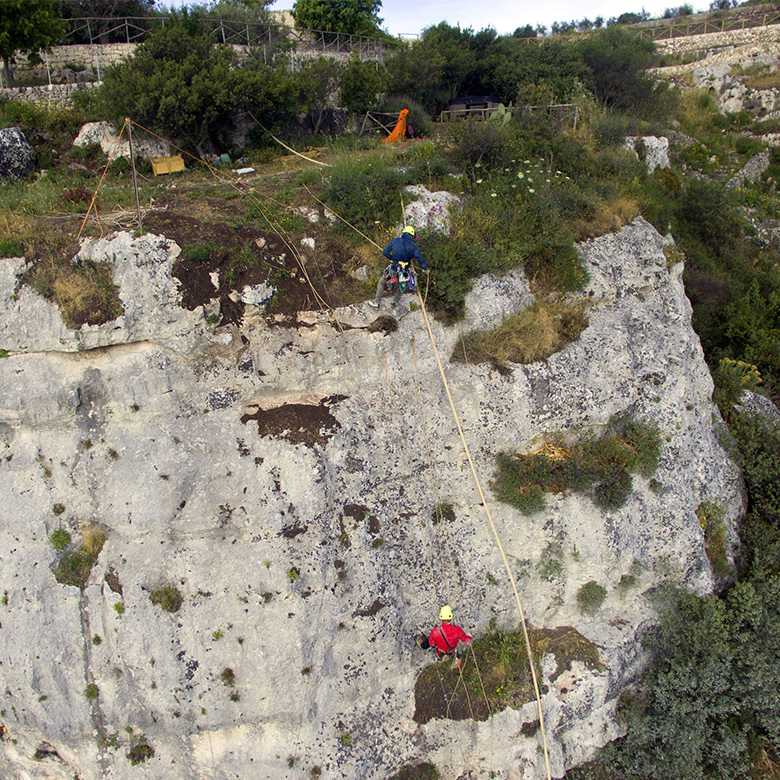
{"points": [[356, 511], [441, 692], [298, 423], [112, 579], [291, 531], [421, 771], [370, 611], [227, 247], [567, 645], [384, 324], [442, 513], [501, 677]]}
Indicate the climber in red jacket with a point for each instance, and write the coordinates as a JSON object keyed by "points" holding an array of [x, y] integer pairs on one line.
{"points": [[446, 638]]}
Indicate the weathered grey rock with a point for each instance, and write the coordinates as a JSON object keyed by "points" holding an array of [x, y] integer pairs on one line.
{"points": [[732, 93], [756, 404], [150, 296], [260, 474], [751, 171], [17, 157], [103, 133], [713, 77], [429, 210], [258, 294], [656, 150]]}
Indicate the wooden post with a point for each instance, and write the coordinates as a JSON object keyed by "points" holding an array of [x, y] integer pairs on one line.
{"points": [[135, 180]]}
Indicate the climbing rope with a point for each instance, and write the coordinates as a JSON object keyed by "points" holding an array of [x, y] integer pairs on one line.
{"points": [[100, 183], [495, 534]]}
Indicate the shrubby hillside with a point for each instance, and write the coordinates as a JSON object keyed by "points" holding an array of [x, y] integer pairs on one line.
{"points": [[541, 188]]}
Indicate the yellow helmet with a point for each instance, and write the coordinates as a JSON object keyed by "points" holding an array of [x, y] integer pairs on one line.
{"points": [[445, 613], [408, 229]]}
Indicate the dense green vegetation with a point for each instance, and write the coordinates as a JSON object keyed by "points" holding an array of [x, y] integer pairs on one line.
{"points": [[598, 465], [707, 705], [532, 181]]}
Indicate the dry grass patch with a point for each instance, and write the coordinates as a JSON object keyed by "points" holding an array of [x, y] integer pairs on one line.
{"points": [[764, 81], [757, 76], [85, 294], [525, 337], [612, 216]]}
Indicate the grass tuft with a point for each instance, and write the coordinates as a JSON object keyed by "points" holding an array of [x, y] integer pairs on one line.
{"points": [[591, 596], [525, 337], [168, 597]]}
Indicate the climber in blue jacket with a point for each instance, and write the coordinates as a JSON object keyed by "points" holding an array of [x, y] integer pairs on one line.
{"points": [[400, 252]]}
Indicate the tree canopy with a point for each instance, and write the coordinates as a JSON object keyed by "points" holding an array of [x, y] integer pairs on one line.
{"points": [[182, 86], [354, 17], [618, 61], [27, 27]]}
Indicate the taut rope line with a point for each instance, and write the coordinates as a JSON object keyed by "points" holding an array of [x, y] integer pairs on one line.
{"points": [[495, 534]]}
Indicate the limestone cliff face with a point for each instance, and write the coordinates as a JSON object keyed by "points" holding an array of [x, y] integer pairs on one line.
{"points": [[284, 478]]}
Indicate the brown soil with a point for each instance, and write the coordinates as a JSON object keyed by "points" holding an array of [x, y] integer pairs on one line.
{"points": [[505, 682], [217, 235], [298, 423], [421, 771], [440, 692]]}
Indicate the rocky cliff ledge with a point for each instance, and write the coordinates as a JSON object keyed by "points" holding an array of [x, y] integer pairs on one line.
{"points": [[283, 479]]}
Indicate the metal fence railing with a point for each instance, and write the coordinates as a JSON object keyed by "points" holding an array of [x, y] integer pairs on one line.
{"points": [[130, 29], [682, 27], [558, 110]]}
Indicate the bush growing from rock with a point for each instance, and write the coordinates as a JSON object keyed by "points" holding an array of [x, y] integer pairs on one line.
{"points": [[591, 596], [59, 539], [711, 518], [601, 464], [140, 750], [74, 568], [168, 597]]}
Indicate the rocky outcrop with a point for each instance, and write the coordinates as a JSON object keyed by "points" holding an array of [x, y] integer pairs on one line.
{"points": [[654, 150], [104, 134], [17, 157], [751, 171], [283, 478], [718, 62]]}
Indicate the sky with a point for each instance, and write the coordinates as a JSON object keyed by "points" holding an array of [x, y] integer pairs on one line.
{"points": [[411, 17]]}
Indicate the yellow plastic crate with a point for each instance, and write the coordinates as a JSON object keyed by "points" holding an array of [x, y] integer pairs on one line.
{"points": [[167, 164]]}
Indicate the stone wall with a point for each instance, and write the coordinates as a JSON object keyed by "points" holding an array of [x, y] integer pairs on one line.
{"points": [[95, 57], [53, 96], [710, 43]]}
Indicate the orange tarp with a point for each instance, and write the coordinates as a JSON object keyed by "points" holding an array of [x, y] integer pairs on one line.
{"points": [[399, 131]]}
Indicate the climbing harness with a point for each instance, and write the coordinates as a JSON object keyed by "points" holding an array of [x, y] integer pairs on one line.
{"points": [[401, 274]]}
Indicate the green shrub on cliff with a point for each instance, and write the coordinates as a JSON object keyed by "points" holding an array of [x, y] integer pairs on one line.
{"points": [[601, 465]]}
